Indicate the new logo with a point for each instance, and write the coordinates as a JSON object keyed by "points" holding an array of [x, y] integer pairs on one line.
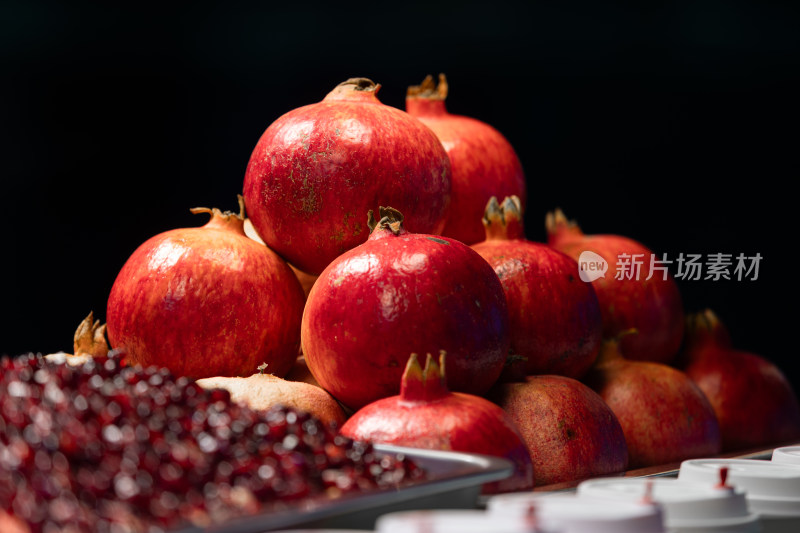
{"points": [[591, 266]]}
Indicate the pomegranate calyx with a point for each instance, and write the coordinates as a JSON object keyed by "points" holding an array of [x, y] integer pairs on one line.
{"points": [[706, 327], [360, 84], [424, 384], [391, 219], [503, 221], [610, 348], [90, 338], [226, 219], [559, 226], [428, 89], [357, 89]]}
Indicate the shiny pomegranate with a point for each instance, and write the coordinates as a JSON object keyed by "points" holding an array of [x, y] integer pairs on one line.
{"points": [[555, 321], [318, 169], [401, 293], [206, 301], [426, 414]]}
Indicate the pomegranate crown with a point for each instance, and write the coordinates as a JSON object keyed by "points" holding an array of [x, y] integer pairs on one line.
{"points": [[426, 384], [610, 347], [352, 87], [391, 219], [227, 220], [90, 338], [503, 221], [558, 225], [226, 214], [428, 89], [706, 327]]}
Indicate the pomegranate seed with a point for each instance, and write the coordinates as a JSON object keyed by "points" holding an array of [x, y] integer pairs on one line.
{"points": [[109, 447]]}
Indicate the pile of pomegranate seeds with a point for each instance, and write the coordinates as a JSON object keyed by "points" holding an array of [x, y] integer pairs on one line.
{"points": [[110, 448]]}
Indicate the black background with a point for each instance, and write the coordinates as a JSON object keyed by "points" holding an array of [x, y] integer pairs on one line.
{"points": [[676, 126]]}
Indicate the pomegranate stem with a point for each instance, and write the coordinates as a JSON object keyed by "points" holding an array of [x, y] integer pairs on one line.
{"points": [[391, 219]]}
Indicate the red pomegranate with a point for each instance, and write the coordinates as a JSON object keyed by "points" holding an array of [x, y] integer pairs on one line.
{"points": [[570, 432], [427, 415], [207, 301], [400, 293], [555, 321], [754, 402], [484, 164], [665, 416], [317, 169], [628, 300]]}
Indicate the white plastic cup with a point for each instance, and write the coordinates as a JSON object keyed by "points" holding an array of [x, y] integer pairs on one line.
{"points": [[567, 513], [786, 455], [689, 507], [452, 521], [772, 489]]}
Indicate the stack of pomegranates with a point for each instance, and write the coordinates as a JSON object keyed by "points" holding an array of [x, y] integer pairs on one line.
{"points": [[368, 237]]}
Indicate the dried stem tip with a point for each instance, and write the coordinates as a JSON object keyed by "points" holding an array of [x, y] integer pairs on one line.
{"points": [[428, 89], [90, 338], [391, 219]]}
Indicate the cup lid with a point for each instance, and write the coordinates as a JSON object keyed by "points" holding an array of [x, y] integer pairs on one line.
{"points": [[770, 487], [683, 502], [451, 521], [787, 454], [568, 513]]}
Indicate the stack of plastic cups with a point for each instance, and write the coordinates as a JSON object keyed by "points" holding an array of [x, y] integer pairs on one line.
{"points": [[453, 521], [689, 507], [786, 455], [326, 530], [772, 489], [567, 513]]}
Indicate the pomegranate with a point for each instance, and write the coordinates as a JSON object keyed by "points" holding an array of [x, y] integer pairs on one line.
{"points": [[483, 162], [754, 402], [665, 416], [206, 301], [570, 432], [264, 391], [317, 169], [400, 293], [427, 415], [555, 322], [651, 306]]}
